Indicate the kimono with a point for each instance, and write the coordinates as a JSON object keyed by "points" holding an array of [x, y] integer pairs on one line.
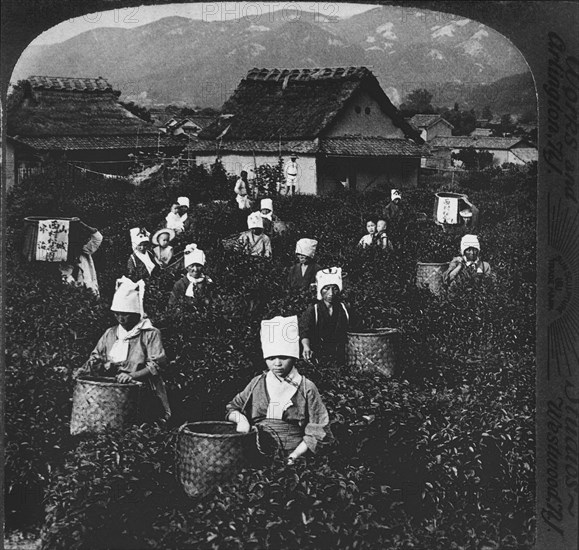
{"points": [[137, 270], [305, 419], [296, 280], [163, 255], [200, 291], [255, 245], [458, 270], [327, 333], [366, 241], [145, 350], [84, 272], [241, 190], [393, 213], [382, 241]]}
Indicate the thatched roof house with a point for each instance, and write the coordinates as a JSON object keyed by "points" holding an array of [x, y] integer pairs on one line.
{"points": [[81, 120], [338, 121]]}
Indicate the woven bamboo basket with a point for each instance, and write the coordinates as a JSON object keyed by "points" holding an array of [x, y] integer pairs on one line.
{"points": [[99, 404], [373, 350], [230, 243], [210, 454], [430, 275]]}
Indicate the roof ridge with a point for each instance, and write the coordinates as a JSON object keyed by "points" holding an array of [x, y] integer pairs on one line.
{"points": [[307, 74]]}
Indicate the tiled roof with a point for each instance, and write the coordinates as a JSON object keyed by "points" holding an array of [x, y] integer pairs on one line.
{"points": [[295, 104], [255, 146], [526, 154], [79, 143], [425, 121], [353, 146], [60, 83], [478, 142], [361, 146]]}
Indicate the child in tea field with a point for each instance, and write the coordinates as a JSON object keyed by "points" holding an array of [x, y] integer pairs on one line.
{"points": [[282, 402], [368, 239], [195, 287], [468, 265], [382, 240], [325, 324], [173, 219], [132, 350], [163, 251], [141, 264], [253, 241], [303, 273]]}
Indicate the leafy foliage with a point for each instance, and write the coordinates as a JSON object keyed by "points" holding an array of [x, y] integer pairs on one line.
{"points": [[441, 456]]}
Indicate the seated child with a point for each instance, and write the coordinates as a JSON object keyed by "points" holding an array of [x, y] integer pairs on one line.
{"points": [[382, 240], [162, 251], [281, 400], [368, 239]]}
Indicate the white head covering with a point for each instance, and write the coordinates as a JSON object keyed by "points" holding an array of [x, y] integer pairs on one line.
{"points": [[255, 220], [307, 247], [129, 296], [395, 194], [280, 336], [139, 235], [330, 276], [469, 241], [466, 213], [193, 255], [183, 201], [266, 203]]}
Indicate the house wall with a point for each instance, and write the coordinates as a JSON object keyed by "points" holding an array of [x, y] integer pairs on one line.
{"points": [[235, 163], [439, 129], [364, 174], [376, 123]]}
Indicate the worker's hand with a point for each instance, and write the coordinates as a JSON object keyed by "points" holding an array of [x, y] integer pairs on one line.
{"points": [[124, 378], [75, 219], [308, 353], [243, 425]]}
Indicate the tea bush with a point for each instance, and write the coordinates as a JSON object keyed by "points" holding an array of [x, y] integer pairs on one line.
{"points": [[442, 456]]}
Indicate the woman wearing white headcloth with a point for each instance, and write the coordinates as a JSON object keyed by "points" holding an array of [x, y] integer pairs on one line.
{"points": [[142, 262], [469, 264], [195, 287], [325, 324], [303, 273], [253, 241], [131, 350], [282, 401]]}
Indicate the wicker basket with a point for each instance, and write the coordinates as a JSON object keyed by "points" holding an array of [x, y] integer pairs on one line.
{"points": [[99, 404], [375, 350], [230, 243], [430, 275], [210, 454]]}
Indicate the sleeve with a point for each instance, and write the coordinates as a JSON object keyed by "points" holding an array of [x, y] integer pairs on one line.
{"points": [[306, 323], [242, 399], [175, 296], [156, 358], [453, 269], [267, 245], [317, 430], [131, 268], [96, 359], [93, 243]]}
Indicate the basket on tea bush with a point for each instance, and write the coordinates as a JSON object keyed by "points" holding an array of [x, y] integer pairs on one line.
{"points": [[102, 403], [429, 274], [210, 454], [374, 349]]}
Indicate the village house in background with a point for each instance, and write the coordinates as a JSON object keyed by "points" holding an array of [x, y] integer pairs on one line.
{"points": [[78, 120], [431, 126], [338, 121], [514, 150]]}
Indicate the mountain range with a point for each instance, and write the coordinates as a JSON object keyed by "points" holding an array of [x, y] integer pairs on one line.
{"points": [[176, 59]]}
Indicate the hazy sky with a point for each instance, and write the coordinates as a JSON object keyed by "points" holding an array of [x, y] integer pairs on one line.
{"points": [[208, 11]]}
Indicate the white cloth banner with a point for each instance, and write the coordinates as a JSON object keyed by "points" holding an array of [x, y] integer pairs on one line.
{"points": [[447, 211], [52, 241]]}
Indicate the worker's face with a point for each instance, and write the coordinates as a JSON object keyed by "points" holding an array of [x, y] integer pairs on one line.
{"points": [[163, 240], [126, 320], [257, 230], [330, 293], [471, 254], [381, 226], [302, 258], [175, 209], [280, 365], [266, 211], [183, 209], [195, 270], [142, 246], [396, 200], [371, 228]]}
